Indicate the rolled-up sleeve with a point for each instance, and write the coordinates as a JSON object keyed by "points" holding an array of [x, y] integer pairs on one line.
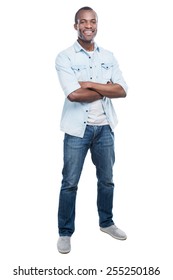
{"points": [[66, 75], [117, 76]]}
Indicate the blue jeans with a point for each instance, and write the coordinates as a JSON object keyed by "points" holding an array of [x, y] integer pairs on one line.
{"points": [[100, 141]]}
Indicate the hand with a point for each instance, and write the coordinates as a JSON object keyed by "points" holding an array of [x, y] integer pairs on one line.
{"points": [[84, 85]]}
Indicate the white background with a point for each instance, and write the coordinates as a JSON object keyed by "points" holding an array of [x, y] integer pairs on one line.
{"points": [[32, 33]]}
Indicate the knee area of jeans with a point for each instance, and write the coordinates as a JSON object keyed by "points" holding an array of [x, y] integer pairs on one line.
{"points": [[106, 185], [69, 189]]}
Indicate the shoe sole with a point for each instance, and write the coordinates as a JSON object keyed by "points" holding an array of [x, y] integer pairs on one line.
{"points": [[64, 252]]}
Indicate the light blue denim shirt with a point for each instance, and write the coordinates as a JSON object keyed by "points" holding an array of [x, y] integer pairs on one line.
{"points": [[74, 65]]}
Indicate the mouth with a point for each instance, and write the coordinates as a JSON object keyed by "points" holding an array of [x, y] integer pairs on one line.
{"points": [[88, 32]]}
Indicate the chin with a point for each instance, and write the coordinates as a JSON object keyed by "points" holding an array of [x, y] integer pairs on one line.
{"points": [[88, 39]]}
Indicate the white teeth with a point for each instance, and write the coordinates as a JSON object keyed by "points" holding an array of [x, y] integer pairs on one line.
{"points": [[88, 32]]}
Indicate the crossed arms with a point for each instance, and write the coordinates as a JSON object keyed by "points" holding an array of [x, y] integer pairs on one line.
{"points": [[90, 91]]}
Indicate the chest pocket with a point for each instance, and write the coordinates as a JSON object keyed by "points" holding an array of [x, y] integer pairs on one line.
{"points": [[106, 69], [80, 72]]}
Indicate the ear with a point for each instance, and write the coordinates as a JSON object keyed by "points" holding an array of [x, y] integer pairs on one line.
{"points": [[75, 26]]}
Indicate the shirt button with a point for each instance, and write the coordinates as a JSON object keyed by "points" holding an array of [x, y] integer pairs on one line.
{"points": [[90, 78], [90, 67], [89, 56]]}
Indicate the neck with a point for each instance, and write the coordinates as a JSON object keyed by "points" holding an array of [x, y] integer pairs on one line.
{"points": [[88, 46]]}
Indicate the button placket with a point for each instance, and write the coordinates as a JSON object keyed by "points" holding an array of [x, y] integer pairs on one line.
{"points": [[86, 115], [91, 67]]}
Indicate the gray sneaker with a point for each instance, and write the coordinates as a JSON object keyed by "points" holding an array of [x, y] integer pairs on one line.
{"points": [[114, 232], [64, 245]]}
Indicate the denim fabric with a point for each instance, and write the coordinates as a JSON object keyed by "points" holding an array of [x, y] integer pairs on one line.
{"points": [[74, 65], [100, 141]]}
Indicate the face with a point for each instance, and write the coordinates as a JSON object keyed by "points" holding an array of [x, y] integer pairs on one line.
{"points": [[86, 25]]}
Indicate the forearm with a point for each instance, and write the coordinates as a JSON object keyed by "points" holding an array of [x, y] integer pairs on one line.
{"points": [[84, 95], [109, 90]]}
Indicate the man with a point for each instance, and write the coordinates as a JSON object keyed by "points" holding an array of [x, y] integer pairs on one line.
{"points": [[90, 78]]}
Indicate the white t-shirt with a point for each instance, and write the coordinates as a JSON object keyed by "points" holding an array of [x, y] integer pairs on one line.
{"points": [[96, 115]]}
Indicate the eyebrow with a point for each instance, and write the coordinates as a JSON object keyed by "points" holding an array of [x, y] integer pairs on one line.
{"points": [[88, 19]]}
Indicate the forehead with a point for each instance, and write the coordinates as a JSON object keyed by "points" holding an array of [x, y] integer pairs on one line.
{"points": [[87, 14]]}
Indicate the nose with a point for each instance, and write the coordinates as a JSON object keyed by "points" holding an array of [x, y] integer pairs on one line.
{"points": [[88, 24]]}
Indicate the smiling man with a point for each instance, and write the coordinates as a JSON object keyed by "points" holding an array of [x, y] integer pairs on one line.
{"points": [[90, 77]]}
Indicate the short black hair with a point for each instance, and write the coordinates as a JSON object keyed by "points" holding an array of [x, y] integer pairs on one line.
{"points": [[86, 8]]}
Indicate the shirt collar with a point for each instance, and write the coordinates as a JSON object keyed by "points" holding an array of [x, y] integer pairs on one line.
{"points": [[78, 47]]}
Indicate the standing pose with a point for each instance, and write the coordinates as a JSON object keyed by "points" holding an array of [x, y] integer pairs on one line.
{"points": [[90, 77]]}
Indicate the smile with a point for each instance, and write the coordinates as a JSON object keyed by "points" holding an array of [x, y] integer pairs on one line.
{"points": [[88, 32]]}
